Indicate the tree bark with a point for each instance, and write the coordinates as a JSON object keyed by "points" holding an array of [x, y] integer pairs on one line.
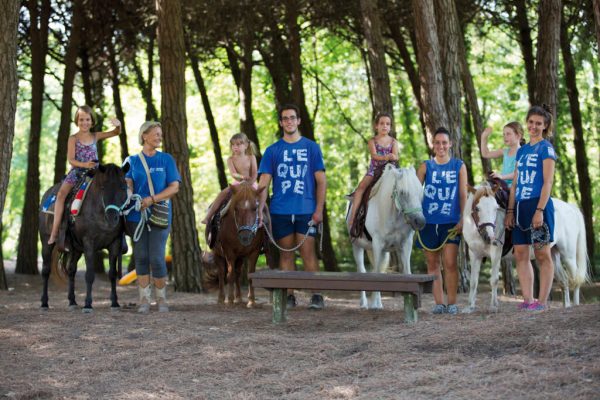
{"points": [[548, 46], [28, 234], [9, 19], [450, 39], [526, 44], [380, 79], [596, 6], [581, 160], [116, 84], [430, 71], [212, 127], [187, 260], [70, 62]]}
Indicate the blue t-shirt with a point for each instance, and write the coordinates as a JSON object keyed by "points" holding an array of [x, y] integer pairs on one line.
{"points": [[530, 168], [292, 167], [441, 200], [508, 165], [163, 171]]}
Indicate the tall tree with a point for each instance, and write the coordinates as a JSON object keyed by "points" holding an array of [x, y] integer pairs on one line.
{"points": [[116, 92], [380, 79], [526, 44], [596, 6], [430, 70], [187, 260], [548, 46], [9, 18], [450, 40], [70, 62], [39, 17], [581, 160]]}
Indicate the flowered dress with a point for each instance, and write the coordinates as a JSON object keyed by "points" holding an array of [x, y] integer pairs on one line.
{"points": [[83, 153]]}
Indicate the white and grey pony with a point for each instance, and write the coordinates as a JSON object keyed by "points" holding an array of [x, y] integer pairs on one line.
{"points": [[484, 234], [394, 213]]}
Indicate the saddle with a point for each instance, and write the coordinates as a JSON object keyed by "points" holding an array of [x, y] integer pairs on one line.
{"points": [[358, 227], [212, 228]]}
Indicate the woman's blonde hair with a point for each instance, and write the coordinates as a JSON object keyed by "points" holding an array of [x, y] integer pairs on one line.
{"points": [[146, 126], [251, 150]]}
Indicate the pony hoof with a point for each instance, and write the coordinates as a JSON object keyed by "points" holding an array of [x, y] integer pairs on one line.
{"points": [[237, 301], [251, 304], [87, 310], [115, 309], [73, 307], [44, 308], [468, 310]]}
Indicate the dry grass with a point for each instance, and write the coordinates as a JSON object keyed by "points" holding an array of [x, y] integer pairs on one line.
{"points": [[201, 350]]}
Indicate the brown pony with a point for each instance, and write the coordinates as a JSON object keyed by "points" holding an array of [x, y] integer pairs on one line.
{"points": [[238, 237]]}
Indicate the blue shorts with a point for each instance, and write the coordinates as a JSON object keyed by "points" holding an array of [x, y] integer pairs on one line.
{"points": [[524, 214], [433, 235], [285, 225]]}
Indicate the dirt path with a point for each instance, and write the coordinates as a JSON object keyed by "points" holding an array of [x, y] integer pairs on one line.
{"points": [[201, 350]]}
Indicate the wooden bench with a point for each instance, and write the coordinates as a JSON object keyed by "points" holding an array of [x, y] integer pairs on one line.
{"points": [[411, 286]]}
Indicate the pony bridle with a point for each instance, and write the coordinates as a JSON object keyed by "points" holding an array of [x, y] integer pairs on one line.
{"points": [[252, 228], [405, 211], [481, 227], [118, 209]]}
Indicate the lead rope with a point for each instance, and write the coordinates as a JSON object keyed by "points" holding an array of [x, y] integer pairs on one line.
{"points": [[310, 225], [452, 233], [143, 216]]}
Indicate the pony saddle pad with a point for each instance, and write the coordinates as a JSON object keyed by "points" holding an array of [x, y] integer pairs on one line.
{"points": [[358, 227], [77, 195]]}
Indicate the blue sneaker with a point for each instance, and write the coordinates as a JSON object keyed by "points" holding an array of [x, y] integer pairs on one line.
{"points": [[452, 309], [439, 309], [537, 306]]}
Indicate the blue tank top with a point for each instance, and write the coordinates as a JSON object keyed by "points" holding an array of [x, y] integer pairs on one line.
{"points": [[441, 200], [508, 165]]}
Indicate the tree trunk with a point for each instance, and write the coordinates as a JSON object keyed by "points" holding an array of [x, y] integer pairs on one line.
{"points": [[430, 71], [472, 104], [247, 124], [467, 145], [526, 44], [28, 234], [214, 134], [116, 83], [411, 71], [548, 46], [380, 79], [581, 160], [187, 260], [596, 6], [450, 39], [9, 19], [70, 62]]}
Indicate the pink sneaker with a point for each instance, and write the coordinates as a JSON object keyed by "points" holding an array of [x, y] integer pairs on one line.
{"points": [[537, 306], [523, 306]]}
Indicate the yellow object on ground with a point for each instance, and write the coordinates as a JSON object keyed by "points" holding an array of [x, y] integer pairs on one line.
{"points": [[128, 278]]}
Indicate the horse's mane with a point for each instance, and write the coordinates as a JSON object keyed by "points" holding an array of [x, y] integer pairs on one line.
{"points": [[243, 192], [483, 191], [110, 171]]}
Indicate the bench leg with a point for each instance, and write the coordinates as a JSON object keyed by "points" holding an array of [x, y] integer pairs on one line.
{"points": [[279, 306], [410, 312]]}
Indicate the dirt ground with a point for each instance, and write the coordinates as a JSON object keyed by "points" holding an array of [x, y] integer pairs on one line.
{"points": [[204, 351]]}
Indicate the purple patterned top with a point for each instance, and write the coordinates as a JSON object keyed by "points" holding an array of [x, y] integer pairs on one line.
{"points": [[83, 153], [381, 151]]}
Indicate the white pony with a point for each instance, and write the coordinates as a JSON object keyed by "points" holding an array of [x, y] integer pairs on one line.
{"points": [[483, 232], [394, 212]]}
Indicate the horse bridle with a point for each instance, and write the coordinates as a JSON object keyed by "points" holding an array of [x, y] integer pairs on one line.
{"points": [[405, 211], [253, 228]]}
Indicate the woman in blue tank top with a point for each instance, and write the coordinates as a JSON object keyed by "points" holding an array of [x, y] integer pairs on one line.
{"points": [[530, 207], [445, 192]]}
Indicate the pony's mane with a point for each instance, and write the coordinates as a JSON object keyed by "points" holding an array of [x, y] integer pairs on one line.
{"points": [[482, 191], [243, 192]]}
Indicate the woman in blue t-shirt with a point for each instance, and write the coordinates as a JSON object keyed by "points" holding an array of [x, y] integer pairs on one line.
{"points": [[530, 207], [444, 181], [149, 249]]}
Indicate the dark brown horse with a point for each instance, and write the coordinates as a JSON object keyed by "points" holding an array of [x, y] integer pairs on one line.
{"points": [[238, 238], [98, 226]]}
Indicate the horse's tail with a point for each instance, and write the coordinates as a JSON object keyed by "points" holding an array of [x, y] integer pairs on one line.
{"points": [[583, 262]]}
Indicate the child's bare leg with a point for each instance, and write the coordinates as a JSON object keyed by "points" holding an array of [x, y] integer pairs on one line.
{"points": [[59, 208], [215, 205], [357, 198]]}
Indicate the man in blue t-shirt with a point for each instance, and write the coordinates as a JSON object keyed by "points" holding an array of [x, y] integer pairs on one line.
{"points": [[295, 165]]}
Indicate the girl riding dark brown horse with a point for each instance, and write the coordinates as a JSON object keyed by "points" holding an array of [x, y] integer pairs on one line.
{"points": [[97, 226], [239, 237]]}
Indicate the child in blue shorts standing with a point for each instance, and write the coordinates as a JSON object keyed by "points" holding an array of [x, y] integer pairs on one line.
{"points": [[444, 181], [530, 207]]}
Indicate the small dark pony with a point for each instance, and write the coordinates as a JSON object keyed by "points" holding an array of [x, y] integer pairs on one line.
{"points": [[98, 226], [239, 237]]}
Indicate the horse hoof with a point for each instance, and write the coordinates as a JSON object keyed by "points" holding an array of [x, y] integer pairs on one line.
{"points": [[87, 310], [251, 304], [237, 301], [115, 309], [44, 308], [468, 310], [73, 307]]}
